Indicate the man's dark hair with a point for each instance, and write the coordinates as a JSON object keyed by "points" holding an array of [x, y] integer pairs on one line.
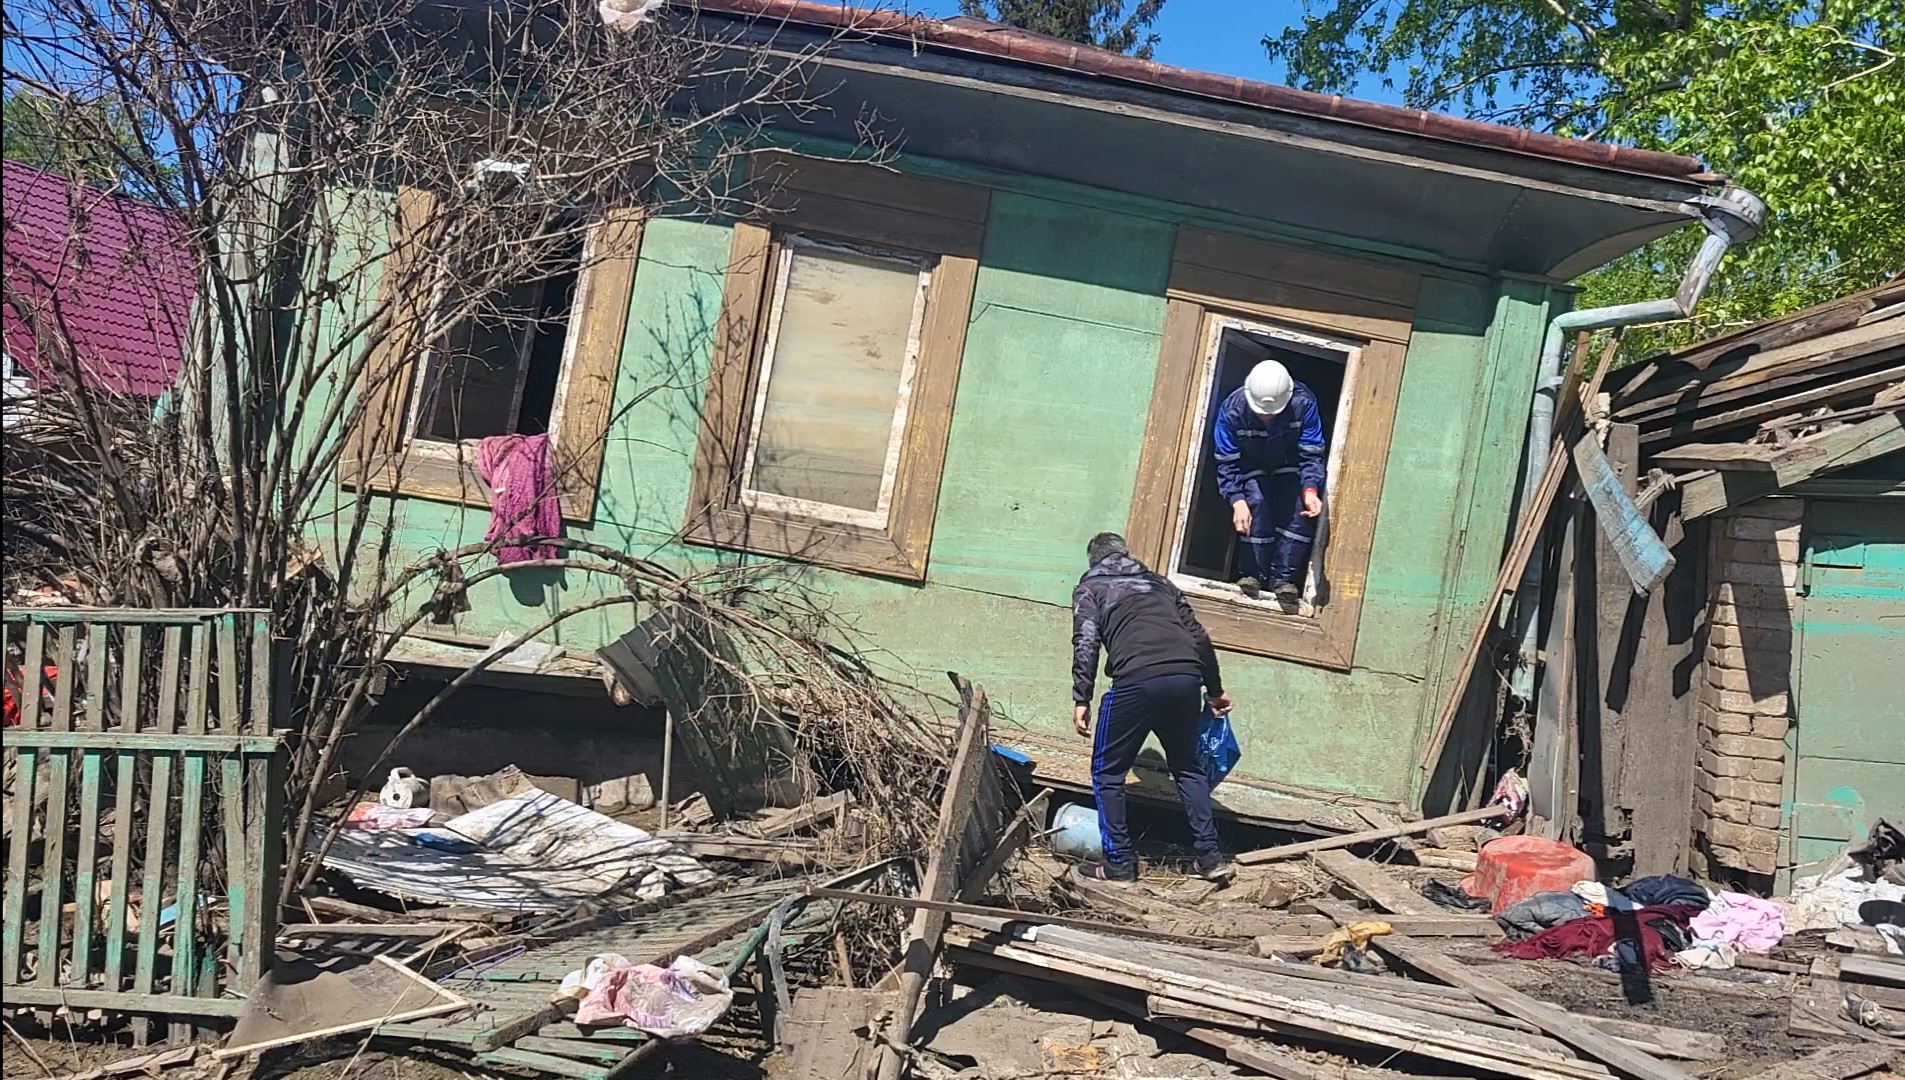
{"points": [[1104, 546]]}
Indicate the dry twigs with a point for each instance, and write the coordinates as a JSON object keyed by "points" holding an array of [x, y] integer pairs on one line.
{"points": [[344, 184]]}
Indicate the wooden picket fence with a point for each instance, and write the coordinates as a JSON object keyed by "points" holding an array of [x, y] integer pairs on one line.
{"points": [[144, 813]]}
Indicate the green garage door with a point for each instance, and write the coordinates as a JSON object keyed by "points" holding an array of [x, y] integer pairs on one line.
{"points": [[1850, 739]]}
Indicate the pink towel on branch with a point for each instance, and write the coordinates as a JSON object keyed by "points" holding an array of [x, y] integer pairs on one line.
{"points": [[523, 502]]}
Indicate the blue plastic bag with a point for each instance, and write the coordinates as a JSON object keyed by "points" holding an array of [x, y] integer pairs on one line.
{"points": [[1217, 748]]}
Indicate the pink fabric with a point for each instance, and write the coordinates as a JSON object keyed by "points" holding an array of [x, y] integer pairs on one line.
{"points": [[683, 999], [523, 502], [1753, 924]]}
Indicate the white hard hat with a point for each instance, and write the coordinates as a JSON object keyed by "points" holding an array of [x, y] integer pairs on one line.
{"points": [[1268, 388]]}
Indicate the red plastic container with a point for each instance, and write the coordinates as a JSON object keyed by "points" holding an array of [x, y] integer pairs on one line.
{"points": [[1513, 868]]}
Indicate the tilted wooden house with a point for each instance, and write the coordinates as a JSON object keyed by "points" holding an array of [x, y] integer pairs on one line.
{"points": [[1073, 258]]}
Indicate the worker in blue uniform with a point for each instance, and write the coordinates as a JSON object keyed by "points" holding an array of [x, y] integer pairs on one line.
{"points": [[1270, 464]]}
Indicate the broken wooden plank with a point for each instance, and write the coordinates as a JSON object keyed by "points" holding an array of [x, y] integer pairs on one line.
{"points": [[1710, 492], [971, 758], [807, 815], [1370, 836], [1443, 925], [1375, 883], [1556, 1021], [1445, 859], [954, 907], [745, 849], [1872, 969], [1313, 1008], [1378, 818], [830, 1032], [1832, 1063], [1654, 1039], [1753, 457]]}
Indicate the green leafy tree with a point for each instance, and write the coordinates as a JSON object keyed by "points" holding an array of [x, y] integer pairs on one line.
{"points": [[1800, 101], [1091, 22], [85, 140]]}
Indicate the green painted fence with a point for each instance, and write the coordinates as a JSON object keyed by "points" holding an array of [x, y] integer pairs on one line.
{"points": [[144, 807]]}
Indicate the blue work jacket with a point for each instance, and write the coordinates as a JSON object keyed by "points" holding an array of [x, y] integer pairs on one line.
{"points": [[1250, 446]]}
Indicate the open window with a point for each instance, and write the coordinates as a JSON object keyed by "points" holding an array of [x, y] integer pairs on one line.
{"points": [[538, 357], [1341, 326], [823, 431], [496, 372], [1205, 553]]}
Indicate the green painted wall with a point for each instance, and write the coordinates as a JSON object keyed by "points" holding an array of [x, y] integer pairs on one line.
{"points": [[1054, 386], [1850, 633]]}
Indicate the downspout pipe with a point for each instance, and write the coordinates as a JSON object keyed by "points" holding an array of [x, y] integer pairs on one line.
{"points": [[1734, 216]]}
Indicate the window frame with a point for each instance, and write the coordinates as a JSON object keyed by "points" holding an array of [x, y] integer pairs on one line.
{"points": [[1218, 277], [381, 454], [1215, 324], [757, 500], [423, 396], [811, 199]]}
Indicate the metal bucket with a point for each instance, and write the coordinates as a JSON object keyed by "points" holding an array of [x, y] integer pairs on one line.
{"points": [[1075, 833]]}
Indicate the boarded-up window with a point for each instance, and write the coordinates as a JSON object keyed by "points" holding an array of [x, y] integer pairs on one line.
{"points": [[823, 432], [842, 341]]}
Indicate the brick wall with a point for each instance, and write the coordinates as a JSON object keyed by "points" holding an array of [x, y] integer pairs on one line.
{"points": [[1745, 703]]}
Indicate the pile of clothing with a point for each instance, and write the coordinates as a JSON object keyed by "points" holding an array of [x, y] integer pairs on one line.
{"points": [[1639, 928]]}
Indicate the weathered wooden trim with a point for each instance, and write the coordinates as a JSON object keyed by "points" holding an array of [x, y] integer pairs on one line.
{"points": [[381, 456], [118, 1001], [598, 325], [389, 366], [865, 201], [1369, 302], [715, 515]]}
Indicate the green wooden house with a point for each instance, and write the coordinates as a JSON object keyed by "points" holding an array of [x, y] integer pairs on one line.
{"points": [[924, 385]]}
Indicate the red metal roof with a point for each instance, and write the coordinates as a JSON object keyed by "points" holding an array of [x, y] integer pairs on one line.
{"points": [[1009, 43], [113, 271]]}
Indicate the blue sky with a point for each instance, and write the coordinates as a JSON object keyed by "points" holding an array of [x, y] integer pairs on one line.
{"points": [[1224, 36]]}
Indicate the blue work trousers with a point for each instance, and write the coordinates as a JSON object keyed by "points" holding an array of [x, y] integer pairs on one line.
{"points": [[1278, 547], [1169, 706]]}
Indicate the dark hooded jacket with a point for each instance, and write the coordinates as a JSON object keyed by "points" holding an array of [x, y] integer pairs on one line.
{"points": [[1143, 622]]}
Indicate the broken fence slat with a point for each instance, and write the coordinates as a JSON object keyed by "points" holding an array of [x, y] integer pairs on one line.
{"points": [[1368, 836]]}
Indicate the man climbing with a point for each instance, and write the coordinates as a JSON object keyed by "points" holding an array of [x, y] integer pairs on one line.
{"points": [[1269, 451], [1161, 666]]}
